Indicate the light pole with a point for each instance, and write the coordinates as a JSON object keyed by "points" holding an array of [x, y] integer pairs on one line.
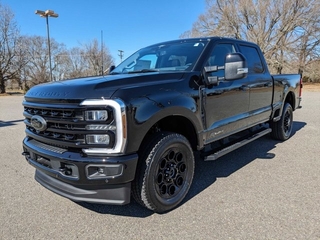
{"points": [[46, 14]]}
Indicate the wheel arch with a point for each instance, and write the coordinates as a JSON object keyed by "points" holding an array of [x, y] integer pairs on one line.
{"points": [[176, 124], [289, 98]]}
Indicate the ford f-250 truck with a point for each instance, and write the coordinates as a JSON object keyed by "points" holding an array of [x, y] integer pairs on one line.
{"points": [[136, 131]]}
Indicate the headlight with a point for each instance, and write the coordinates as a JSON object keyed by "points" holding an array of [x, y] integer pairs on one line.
{"points": [[98, 139], [96, 115], [106, 126]]}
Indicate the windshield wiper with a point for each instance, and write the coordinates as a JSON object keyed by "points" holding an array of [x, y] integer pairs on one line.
{"points": [[144, 71]]}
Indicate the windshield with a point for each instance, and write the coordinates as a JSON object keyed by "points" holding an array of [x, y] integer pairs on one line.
{"points": [[171, 56]]}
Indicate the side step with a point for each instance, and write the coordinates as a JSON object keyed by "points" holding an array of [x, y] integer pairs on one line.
{"points": [[234, 146]]}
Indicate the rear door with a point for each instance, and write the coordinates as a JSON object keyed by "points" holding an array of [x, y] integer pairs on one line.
{"points": [[260, 84]]}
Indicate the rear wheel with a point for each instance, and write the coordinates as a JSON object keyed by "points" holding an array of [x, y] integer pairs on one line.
{"points": [[282, 129], [165, 172]]}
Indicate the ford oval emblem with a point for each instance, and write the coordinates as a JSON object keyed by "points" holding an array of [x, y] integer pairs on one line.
{"points": [[38, 123]]}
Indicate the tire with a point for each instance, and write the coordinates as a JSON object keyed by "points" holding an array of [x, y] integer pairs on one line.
{"points": [[282, 129], [165, 172]]}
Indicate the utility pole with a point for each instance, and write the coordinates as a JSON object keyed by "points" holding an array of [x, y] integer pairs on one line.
{"points": [[102, 53], [121, 54]]}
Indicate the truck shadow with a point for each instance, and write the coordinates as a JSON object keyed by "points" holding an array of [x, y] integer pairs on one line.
{"points": [[9, 123], [206, 173]]}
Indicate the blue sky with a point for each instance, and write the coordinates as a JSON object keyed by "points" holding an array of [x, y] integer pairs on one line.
{"points": [[127, 25]]}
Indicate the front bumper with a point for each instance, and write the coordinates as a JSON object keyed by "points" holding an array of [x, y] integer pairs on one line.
{"points": [[72, 175]]}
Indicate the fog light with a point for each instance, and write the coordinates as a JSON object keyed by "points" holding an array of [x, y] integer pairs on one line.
{"points": [[98, 139], [97, 115], [104, 171]]}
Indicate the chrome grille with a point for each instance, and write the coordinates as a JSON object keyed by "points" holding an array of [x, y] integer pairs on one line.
{"points": [[65, 124]]}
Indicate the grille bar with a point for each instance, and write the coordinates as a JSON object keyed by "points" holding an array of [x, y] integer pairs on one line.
{"points": [[48, 147]]}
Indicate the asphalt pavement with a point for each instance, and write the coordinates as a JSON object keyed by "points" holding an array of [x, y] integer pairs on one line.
{"points": [[264, 190]]}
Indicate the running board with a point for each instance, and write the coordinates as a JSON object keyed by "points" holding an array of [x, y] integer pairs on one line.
{"points": [[237, 145]]}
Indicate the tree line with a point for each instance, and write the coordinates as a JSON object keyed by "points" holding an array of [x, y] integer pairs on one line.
{"points": [[287, 31], [24, 60]]}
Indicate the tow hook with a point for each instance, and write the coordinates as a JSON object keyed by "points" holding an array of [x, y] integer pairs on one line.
{"points": [[65, 171], [25, 154]]}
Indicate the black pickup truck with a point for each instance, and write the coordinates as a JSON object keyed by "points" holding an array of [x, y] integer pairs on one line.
{"points": [[137, 130]]}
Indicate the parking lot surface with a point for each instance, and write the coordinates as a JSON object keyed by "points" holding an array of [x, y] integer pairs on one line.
{"points": [[264, 190]]}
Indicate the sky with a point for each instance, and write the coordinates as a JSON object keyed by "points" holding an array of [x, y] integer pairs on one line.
{"points": [[126, 25]]}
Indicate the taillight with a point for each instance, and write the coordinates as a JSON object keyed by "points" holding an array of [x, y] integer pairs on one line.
{"points": [[300, 91]]}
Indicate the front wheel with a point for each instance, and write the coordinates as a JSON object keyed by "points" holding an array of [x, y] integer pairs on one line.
{"points": [[282, 129], [165, 172]]}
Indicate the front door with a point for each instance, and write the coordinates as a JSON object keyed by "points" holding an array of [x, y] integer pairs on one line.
{"points": [[227, 104]]}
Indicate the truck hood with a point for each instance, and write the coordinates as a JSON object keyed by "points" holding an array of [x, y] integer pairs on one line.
{"points": [[97, 87]]}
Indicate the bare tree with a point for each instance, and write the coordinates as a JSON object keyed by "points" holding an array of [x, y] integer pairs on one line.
{"points": [[9, 47], [88, 60], [83, 61], [67, 64], [97, 58], [38, 64], [72, 63], [25, 59], [22, 61], [307, 47], [286, 30]]}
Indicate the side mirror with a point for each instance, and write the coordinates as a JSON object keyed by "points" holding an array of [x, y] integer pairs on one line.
{"points": [[235, 67], [212, 80], [111, 68]]}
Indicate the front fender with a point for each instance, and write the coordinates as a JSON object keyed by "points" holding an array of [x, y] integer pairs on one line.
{"points": [[146, 111]]}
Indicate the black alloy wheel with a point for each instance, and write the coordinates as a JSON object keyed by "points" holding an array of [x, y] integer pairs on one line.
{"points": [[282, 129], [165, 172]]}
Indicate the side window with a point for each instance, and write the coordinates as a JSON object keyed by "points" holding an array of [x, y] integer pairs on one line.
{"points": [[219, 53], [253, 59], [146, 62]]}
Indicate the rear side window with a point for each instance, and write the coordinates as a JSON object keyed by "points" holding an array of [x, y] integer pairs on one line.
{"points": [[253, 59]]}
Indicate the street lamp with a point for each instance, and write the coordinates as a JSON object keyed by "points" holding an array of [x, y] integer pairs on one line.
{"points": [[46, 14]]}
